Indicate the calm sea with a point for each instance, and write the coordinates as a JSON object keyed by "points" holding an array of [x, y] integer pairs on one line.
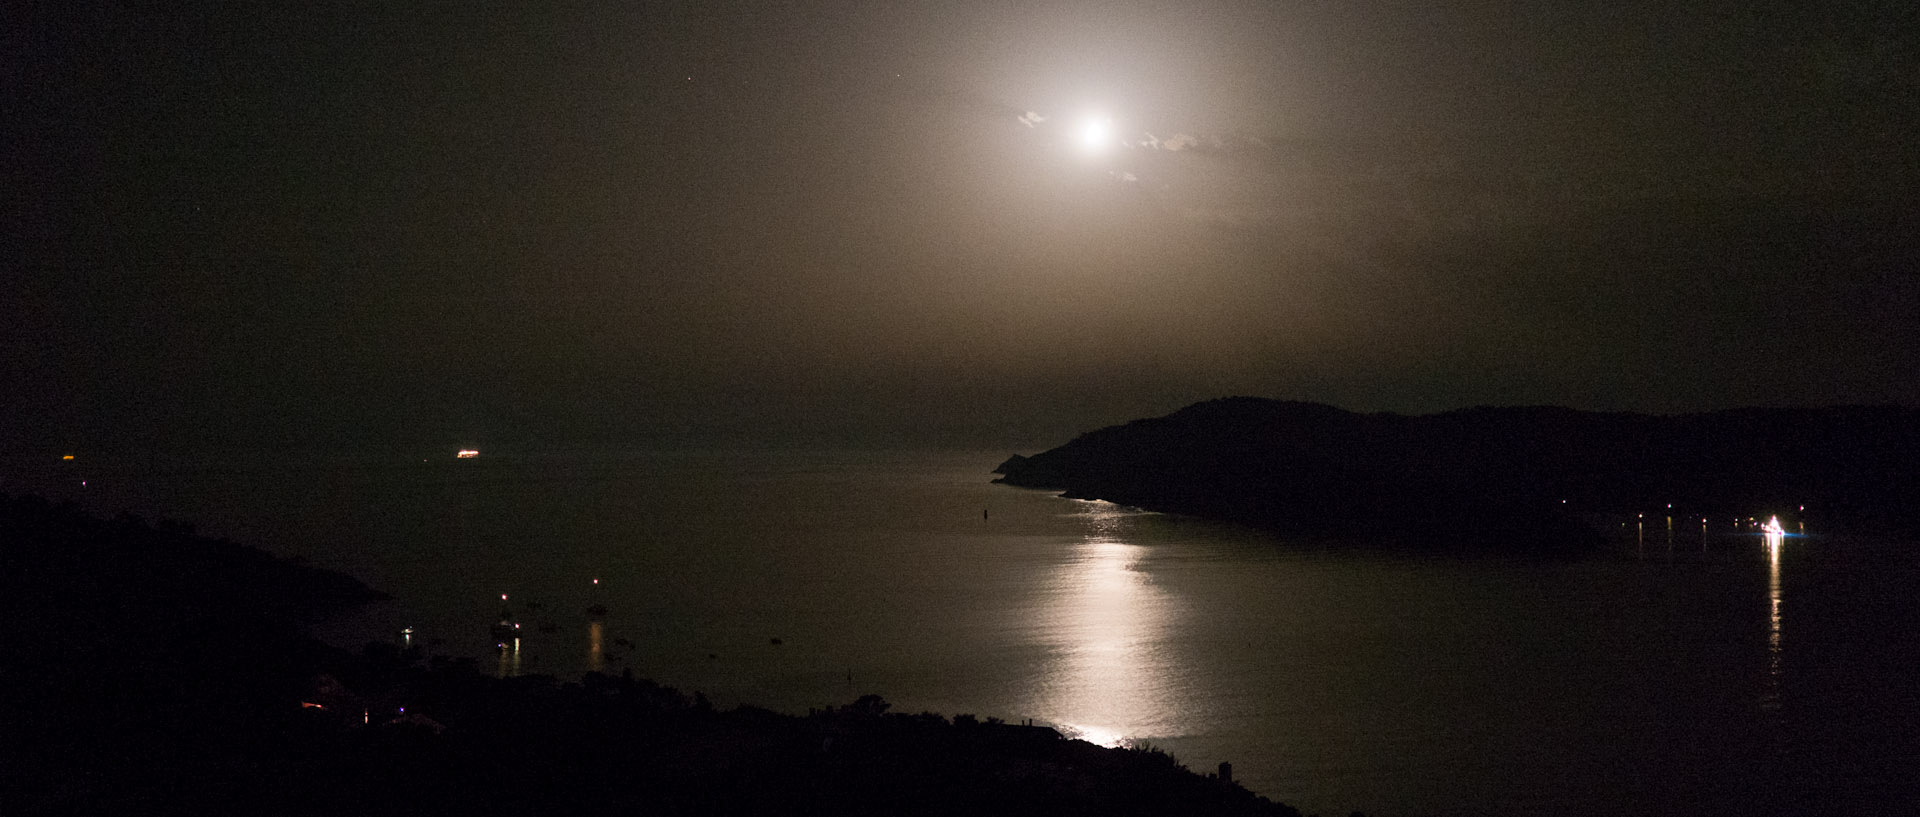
{"points": [[1672, 674]]}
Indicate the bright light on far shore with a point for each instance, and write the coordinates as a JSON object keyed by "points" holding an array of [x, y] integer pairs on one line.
{"points": [[467, 454]]}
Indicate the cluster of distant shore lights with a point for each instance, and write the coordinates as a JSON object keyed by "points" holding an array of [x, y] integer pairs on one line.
{"points": [[1771, 527]]}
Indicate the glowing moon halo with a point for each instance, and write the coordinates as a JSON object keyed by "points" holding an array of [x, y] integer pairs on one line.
{"points": [[1095, 134]]}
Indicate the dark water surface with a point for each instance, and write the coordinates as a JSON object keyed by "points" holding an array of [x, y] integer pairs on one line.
{"points": [[1710, 675]]}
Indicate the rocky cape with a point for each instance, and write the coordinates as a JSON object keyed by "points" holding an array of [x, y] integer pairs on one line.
{"points": [[1533, 477]]}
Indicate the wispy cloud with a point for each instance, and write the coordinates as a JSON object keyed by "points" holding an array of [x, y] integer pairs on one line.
{"points": [[1178, 141], [1205, 144], [1030, 118]]}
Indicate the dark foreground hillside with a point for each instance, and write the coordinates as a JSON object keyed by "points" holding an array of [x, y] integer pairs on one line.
{"points": [[1536, 477], [150, 671]]}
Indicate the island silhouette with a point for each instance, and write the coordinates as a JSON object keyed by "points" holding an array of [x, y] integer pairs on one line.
{"points": [[1537, 477]]}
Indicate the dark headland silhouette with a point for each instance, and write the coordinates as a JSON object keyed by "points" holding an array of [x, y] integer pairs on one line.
{"points": [[1524, 477], [152, 671]]}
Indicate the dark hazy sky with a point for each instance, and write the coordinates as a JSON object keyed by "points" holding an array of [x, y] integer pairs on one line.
{"points": [[439, 223]]}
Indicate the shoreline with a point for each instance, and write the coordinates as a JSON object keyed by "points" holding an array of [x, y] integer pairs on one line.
{"points": [[232, 691]]}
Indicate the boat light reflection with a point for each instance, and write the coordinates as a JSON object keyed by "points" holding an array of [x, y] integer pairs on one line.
{"points": [[509, 657], [596, 650], [1770, 699]]}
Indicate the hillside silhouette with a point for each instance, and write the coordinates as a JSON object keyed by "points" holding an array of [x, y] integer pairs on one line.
{"points": [[154, 671]]}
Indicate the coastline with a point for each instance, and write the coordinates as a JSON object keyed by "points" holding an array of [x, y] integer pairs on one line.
{"points": [[195, 679]]}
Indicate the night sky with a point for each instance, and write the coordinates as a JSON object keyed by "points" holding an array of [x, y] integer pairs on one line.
{"points": [[434, 224]]}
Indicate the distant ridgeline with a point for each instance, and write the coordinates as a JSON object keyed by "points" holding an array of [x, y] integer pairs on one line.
{"points": [[1527, 476]]}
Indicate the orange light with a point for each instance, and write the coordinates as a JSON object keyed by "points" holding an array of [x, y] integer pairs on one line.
{"points": [[67, 457]]}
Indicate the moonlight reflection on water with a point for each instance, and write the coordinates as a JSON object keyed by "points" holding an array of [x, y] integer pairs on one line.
{"points": [[1113, 683], [1334, 678]]}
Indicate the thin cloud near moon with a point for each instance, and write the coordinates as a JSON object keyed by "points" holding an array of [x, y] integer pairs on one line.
{"points": [[1096, 135]]}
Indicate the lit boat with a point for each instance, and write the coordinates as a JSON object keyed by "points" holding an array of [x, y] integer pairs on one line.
{"points": [[505, 632], [467, 454]]}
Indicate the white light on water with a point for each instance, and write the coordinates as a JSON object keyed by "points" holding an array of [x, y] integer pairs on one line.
{"points": [[1110, 681], [1096, 735], [1770, 699]]}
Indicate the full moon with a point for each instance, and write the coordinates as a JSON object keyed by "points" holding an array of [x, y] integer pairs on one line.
{"points": [[1096, 134]]}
